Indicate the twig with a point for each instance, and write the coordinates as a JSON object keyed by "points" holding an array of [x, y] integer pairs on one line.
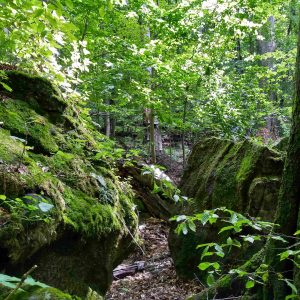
{"points": [[24, 277], [197, 278]]}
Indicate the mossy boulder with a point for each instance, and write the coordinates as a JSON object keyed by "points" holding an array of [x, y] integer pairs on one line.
{"points": [[61, 206], [244, 177]]}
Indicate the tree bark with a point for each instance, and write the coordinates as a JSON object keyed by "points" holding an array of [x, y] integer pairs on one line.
{"points": [[289, 200], [152, 137], [107, 121], [183, 131], [268, 45]]}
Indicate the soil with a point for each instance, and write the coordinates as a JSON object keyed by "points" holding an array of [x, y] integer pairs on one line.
{"points": [[158, 280]]}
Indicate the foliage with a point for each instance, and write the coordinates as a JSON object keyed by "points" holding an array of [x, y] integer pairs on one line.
{"points": [[30, 208], [236, 231], [206, 75], [162, 183], [11, 282]]}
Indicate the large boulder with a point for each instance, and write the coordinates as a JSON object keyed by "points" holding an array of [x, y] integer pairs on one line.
{"points": [[244, 177], [61, 206]]}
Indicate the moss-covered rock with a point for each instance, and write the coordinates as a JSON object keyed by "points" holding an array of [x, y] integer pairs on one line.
{"points": [[244, 177], [62, 210]]}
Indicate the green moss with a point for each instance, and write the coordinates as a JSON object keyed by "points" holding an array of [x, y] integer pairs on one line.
{"points": [[88, 216], [220, 173], [245, 168], [10, 149], [28, 292], [25, 123], [92, 206], [39, 92], [51, 294]]}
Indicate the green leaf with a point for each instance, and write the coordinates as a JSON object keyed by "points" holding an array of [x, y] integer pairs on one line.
{"points": [[192, 225], [180, 218], [226, 228], [297, 232], [291, 285], [278, 238], [69, 4], [284, 255], [2, 197], [236, 243], [29, 280], [234, 218], [203, 266], [210, 280], [204, 245], [156, 188], [102, 12], [176, 198], [265, 277], [37, 13], [250, 284], [184, 229], [8, 88], [205, 217], [291, 297], [216, 266], [249, 239]]}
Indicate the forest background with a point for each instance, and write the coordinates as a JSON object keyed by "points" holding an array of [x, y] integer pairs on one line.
{"points": [[157, 75]]}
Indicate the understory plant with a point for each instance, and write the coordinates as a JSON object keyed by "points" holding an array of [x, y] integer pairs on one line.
{"points": [[30, 208], [236, 231]]}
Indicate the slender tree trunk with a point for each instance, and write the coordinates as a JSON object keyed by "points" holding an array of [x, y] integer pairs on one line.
{"points": [[268, 45], [107, 121], [152, 137], [289, 200], [183, 131]]}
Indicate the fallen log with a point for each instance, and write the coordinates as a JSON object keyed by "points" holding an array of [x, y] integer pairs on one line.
{"points": [[128, 270], [157, 204]]}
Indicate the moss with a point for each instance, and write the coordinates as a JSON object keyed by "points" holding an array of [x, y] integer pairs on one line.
{"points": [[88, 216], [245, 168], [39, 92], [10, 150], [248, 164], [221, 173], [94, 212], [24, 122]]}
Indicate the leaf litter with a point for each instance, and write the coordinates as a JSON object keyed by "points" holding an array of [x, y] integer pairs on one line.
{"points": [[157, 279]]}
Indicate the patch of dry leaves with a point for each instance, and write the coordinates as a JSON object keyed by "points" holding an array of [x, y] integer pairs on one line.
{"points": [[158, 280]]}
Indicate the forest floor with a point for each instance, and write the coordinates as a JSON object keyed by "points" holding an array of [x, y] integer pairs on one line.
{"points": [[158, 280]]}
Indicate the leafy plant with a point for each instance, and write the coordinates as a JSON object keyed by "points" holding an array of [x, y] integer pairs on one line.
{"points": [[236, 228], [30, 208]]}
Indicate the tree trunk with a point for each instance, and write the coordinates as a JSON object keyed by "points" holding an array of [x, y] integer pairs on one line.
{"points": [[289, 200], [183, 131], [152, 137], [107, 121], [268, 45]]}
